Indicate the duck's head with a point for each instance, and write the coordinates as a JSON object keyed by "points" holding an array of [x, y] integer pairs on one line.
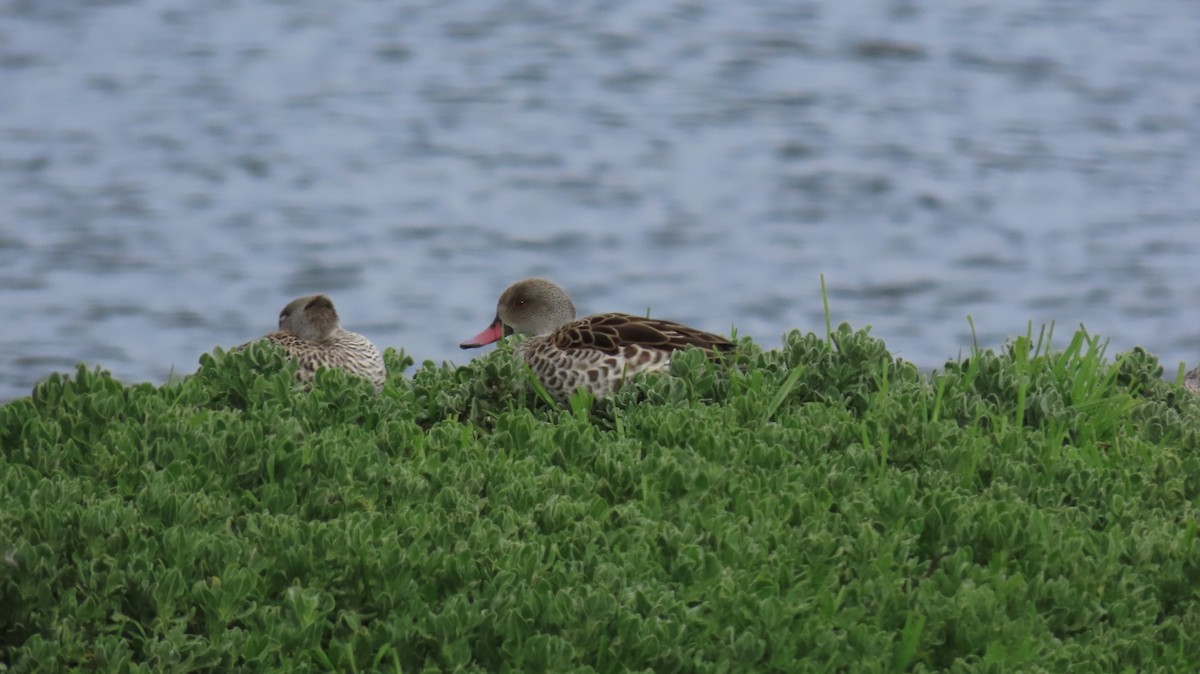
{"points": [[311, 318], [532, 306]]}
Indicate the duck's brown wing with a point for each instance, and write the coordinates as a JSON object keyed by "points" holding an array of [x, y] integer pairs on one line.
{"points": [[612, 332]]}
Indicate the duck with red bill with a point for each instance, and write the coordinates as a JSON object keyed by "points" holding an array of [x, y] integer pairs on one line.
{"points": [[596, 353]]}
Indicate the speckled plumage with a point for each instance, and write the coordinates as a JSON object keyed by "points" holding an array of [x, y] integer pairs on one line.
{"points": [[1191, 380], [312, 335], [596, 353]]}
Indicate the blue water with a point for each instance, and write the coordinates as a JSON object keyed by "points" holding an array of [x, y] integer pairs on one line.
{"points": [[172, 172]]}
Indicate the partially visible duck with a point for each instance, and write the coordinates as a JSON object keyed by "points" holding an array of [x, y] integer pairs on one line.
{"points": [[312, 335], [596, 353], [1191, 380]]}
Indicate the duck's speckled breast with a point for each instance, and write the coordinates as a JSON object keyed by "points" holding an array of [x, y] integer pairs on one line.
{"points": [[347, 351], [562, 371]]}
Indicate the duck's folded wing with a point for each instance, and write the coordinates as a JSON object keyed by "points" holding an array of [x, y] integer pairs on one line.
{"points": [[613, 331]]}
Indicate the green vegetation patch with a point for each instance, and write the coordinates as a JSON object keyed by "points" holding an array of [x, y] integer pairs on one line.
{"points": [[821, 507]]}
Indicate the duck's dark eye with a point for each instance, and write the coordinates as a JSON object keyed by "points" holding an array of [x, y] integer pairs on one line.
{"points": [[520, 304]]}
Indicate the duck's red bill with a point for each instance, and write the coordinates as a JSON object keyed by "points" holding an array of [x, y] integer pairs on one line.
{"points": [[493, 333]]}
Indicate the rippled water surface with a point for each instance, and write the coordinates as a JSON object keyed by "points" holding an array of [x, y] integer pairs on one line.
{"points": [[172, 172]]}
